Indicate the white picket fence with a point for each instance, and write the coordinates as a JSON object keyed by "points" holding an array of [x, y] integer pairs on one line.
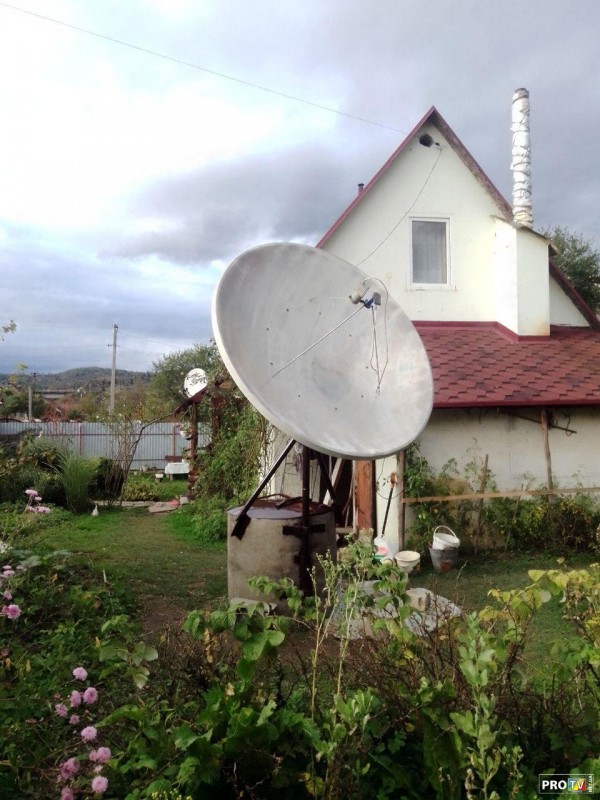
{"points": [[158, 441]]}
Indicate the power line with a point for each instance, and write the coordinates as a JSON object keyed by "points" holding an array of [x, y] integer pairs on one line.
{"points": [[207, 70]]}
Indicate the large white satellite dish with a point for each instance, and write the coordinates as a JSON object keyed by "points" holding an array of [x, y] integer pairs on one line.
{"points": [[334, 373], [194, 381]]}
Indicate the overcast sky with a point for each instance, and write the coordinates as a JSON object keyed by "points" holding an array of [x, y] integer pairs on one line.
{"points": [[130, 176]]}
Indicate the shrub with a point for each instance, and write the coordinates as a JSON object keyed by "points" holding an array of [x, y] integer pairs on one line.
{"points": [[140, 489], [23, 476], [210, 518], [567, 523], [76, 474], [42, 451], [109, 480]]}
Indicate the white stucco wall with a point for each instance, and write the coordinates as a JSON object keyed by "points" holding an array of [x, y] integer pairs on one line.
{"points": [[514, 446], [533, 279], [562, 310], [428, 183]]}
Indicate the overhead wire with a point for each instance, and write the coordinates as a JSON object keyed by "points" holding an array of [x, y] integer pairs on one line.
{"points": [[207, 70]]}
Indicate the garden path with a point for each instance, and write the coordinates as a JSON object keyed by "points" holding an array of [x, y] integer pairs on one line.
{"points": [[155, 556]]}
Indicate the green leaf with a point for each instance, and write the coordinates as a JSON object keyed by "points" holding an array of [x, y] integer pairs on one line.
{"points": [[184, 737]]}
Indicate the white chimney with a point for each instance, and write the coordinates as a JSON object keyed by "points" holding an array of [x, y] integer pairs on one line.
{"points": [[521, 160]]}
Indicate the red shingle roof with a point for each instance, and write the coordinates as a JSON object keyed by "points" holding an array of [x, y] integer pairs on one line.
{"points": [[485, 364]]}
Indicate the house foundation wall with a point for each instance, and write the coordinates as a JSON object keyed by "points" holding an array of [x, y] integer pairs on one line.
{"points": [[514, 444]]}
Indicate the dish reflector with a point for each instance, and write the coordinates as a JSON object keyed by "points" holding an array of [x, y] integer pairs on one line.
{"points": [[194, 381], [333, 373]]}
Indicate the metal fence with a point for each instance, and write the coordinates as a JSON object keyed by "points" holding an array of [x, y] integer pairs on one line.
{"points": [[97, 439]]}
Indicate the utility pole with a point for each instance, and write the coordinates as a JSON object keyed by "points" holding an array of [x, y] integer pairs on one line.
{"points": [[32, 378], [113, 375]]}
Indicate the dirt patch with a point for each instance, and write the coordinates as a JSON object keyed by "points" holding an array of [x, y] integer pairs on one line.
{"points": [[158, 613]]}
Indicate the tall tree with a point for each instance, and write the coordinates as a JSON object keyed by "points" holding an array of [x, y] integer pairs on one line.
{"points": [[579, 261]]}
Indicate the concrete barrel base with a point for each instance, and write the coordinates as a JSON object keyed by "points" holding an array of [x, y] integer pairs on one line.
{"points": [[265, 550]]}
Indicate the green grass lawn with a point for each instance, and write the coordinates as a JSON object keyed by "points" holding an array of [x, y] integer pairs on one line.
{"points": [[169, 572], [468, 586], [153, 555]]}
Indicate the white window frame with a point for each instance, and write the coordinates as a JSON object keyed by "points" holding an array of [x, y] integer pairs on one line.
{"points": [[430, 286]]}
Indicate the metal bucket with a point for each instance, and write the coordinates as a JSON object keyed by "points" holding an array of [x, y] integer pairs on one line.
{"points": [[445, 559]]}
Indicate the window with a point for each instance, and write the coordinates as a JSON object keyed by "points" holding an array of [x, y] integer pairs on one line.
{"points": [[430, 251]]}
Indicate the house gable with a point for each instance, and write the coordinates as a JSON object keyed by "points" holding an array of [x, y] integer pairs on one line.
{"points": [[496, 271]]}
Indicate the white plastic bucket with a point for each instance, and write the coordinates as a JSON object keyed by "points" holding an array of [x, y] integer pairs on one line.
{"points": [[407, 560], [444, 538]]}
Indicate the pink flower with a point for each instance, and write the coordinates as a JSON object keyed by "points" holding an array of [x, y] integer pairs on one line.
{"points": [[99, 784], [101, 755], [42, 509], [90, 696], [12, 611], [37, 498], [75, 698], [61, 709], [80, 673], [30, 492], [74, 719], [8, 572], [67, 794], [89, 734], [7, 595], [69, 768]]}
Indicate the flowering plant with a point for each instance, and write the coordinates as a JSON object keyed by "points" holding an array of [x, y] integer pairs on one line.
{"points": [[33, 502], [72, 771]]}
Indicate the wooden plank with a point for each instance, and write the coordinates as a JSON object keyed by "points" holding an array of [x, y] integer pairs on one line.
{"points": [[546, 439], [335, 479], [400, 461], [450, 498], [364, 477]]}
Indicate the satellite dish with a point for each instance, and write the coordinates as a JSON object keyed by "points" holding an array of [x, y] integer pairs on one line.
{"points": [[194, 381], [322, 352]]}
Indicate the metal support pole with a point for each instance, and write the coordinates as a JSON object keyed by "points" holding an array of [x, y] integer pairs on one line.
{"points": [[113, 374]]}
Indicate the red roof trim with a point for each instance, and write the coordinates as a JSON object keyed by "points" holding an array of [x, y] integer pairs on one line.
{"points": [[495, 326], [435, 118]]}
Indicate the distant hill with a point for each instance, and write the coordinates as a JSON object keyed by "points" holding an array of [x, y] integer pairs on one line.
{"points": [[92, 379]]}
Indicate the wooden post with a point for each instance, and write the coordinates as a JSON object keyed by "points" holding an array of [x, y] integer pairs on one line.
{"points": [[545, 427], [365, 499], [400, 460], [481, 502]]}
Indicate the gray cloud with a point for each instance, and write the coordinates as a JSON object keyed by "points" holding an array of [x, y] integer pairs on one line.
{"points": [[388, 62], [217, 211]]}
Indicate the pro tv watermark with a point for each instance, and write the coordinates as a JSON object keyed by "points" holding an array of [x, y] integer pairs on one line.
{"points": [[571, 784]]}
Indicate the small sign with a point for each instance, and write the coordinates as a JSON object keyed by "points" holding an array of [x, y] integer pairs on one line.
{"points": [[571, 784]]}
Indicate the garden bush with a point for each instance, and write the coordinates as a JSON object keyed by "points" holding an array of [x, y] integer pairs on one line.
{"points": [[76, 475], [48, 484], [244, 703], [562, 524], [139, 489], [109, 480], [210, 518]]}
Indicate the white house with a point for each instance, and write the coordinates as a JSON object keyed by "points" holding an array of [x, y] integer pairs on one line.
{"points": [[515, 351]]}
